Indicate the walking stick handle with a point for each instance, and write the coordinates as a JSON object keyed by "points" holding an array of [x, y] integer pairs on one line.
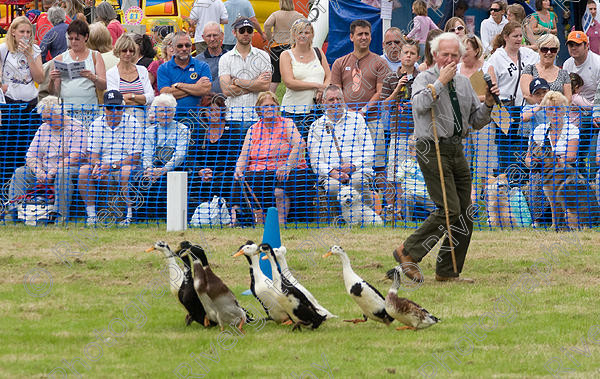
{"points": [[442, 182]]}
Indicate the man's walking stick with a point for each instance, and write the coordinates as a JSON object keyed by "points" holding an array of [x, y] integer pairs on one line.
{"points": [[439, 161]]}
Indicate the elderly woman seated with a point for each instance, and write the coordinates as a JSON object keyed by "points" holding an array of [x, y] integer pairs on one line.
{"points": [[272, 159], [164, 149], [53, 157], [552, 156]]}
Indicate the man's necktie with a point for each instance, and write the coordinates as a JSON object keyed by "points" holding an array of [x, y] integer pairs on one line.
{"points": [[458, 127]]}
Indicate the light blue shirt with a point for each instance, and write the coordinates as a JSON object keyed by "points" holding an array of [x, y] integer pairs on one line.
{"points": [[174, 135], [235, 9]]}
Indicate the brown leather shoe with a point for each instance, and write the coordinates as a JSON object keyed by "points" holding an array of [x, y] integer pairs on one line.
{"points": [[410, 268], [453, 279]]}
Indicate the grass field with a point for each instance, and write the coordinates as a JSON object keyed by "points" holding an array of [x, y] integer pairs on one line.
{"points": [[105, 309]]}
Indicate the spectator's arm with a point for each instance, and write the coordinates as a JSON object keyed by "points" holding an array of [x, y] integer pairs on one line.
{"points": [[95, 159], [364, 150], [112, 79], [269, 24], [524, 83], [229, 89], [259, 84], [336, 74], [224, 18], [201, 87], [130, 160], [298, 145], [416, 27], [148, 147], [45, 46], [572, 147], [100, 79], [183, 138], [243, 158], [567, 92], [35, 66], [258, 28], [318, 158], [529, 113]]}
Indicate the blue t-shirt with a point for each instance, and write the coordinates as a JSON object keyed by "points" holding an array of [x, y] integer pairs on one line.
{"points": [[527, 127], [169, 73]]}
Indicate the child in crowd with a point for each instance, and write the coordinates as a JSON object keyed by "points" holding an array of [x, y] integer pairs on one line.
{"points": [[396, 92], [533, 114], [577, 101], [422, 24]]}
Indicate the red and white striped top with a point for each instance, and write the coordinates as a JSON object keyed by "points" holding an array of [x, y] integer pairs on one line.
{"points": [[135, 86]]}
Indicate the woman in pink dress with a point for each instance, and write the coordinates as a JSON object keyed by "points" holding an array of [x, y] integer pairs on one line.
{"points": [[422, 24]]}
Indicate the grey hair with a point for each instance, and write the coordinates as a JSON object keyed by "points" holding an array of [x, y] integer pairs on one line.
{"points": [[56, 15], [212, 24], [47, 102], [447, 36], [105, 12], [333, 87], [165, 100]]}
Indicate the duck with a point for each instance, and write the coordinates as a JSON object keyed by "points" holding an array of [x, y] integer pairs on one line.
{"points": [[280, 253], [301, 310], [368, 298], [264, 293], [411, 314], [182, 284], [209, 286]]}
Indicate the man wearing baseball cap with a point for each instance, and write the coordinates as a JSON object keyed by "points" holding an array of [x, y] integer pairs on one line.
{"points": [[115, 148], [244, 72], [587, 64]]}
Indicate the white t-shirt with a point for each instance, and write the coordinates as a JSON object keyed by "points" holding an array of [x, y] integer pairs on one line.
{"points": [[312, 72], [204, 11], [507, 72], [589, 72], [17, 74], [118, 143], [489, 30], [569, 132], [241, 108]]}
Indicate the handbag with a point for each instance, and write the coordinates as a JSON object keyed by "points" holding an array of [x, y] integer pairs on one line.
{"points": [[99, 93], [36, 205], [257, 211]]}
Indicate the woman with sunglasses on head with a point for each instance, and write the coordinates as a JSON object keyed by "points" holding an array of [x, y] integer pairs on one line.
{"points": [[557, 78], [79, 93], [458, 26], [129, 79]]}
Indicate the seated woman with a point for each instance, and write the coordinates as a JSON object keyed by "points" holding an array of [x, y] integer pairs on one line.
{"points": [[53, 158], [215, 155], [164, 149], [272, 159], [560, 139]]}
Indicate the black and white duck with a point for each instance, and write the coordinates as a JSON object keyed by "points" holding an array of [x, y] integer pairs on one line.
{"points": [[280, 253], [411, 314], [302, 312], [259, 286], [368, 298]]}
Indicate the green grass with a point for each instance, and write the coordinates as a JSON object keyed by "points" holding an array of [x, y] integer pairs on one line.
{"points": [[115, 273]]}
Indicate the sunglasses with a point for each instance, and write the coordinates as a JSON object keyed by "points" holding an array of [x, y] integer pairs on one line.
{"points": [[459, 28], [573, 44], [182, 45], [113, 108], [246, 30], [546, 50], [495, 10], [132, 51], [395, 42]]}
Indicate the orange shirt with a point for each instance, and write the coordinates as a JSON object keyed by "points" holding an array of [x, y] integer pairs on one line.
{"points": [[270, 145]]}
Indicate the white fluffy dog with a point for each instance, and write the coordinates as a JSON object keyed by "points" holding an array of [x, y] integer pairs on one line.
{"points": [[354, 211]]}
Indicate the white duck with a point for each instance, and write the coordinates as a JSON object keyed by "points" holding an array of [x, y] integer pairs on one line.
{"points": [[298, 307], [280, 253], [370, 301], [411, 314], [259, 286]]}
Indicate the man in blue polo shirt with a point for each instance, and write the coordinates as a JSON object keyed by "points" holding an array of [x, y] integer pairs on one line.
{"points": [[184, 77]]}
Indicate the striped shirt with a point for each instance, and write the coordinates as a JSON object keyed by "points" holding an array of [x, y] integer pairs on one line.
{"points": [[135, 86]]}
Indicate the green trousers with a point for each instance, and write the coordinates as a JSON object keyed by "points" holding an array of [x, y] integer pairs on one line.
{"points": [[457, 177]]}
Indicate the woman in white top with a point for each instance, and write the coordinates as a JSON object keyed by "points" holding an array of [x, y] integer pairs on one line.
{"points": [[21, 64], [505, 66], [305, 72], [101, 41], [79, 93], [130, 79], [561, 140]]}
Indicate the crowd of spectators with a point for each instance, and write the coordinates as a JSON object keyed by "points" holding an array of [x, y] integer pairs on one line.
{"points": [[210, 107]]}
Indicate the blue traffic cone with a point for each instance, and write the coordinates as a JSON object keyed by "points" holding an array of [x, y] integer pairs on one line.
{"points": [[271, 236]]}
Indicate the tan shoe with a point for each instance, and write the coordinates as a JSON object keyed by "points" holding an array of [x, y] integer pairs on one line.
{"points": [[410, 268], [453, 279]]}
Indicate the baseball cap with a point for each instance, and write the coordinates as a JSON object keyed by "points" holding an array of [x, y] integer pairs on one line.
{"points": [[241, 22], [537, 84], [577, 37], [113, 97]]}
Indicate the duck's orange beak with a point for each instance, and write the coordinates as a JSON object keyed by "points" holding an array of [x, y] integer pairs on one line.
{"points": [[241, 252], [150, 249], [327, 254]]}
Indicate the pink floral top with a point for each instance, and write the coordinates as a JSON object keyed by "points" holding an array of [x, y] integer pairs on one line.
{"points": [[270, 145]]}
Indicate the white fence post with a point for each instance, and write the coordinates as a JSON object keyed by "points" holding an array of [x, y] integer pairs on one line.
{"points": [[176, 201]]}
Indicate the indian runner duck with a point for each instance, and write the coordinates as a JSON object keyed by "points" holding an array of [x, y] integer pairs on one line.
{"points": [[208, 284], [182, 284], [411, 314], [368, 298], [264, 293], [280, 253], [302, 312]]}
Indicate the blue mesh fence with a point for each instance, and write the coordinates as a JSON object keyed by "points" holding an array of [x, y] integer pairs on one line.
{"points": [[322, 167]]}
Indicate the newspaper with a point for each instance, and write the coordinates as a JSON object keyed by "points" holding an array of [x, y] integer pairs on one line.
{"points": [[71, 70]]}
